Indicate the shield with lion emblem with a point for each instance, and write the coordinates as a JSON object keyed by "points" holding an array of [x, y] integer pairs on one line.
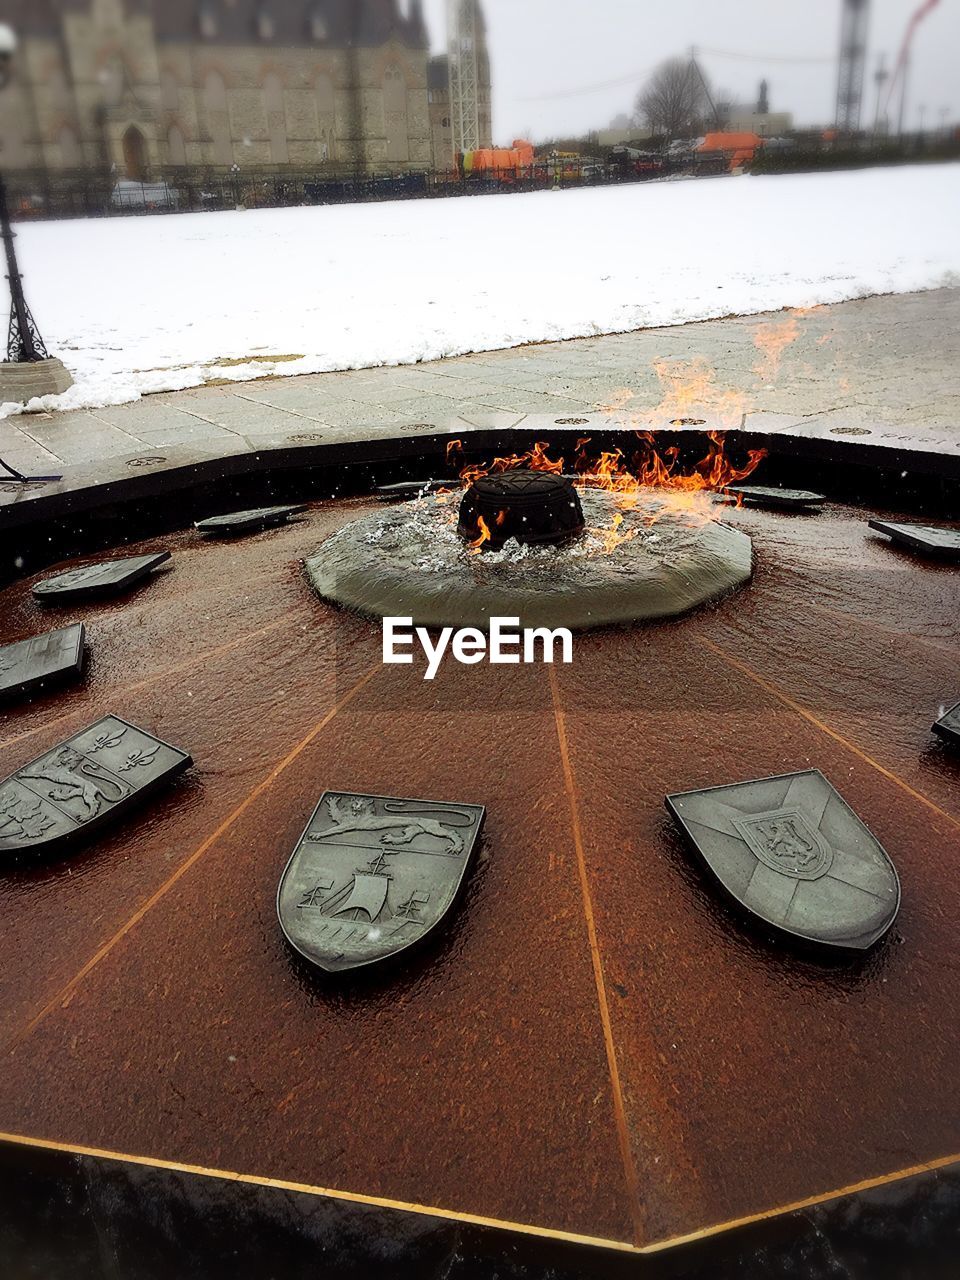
{"points": [[81, 784], [371, 876], [790, 851]]}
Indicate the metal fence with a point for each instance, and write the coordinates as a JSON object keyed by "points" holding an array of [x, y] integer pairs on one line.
{"points": [[85, 193], [40, 195]]}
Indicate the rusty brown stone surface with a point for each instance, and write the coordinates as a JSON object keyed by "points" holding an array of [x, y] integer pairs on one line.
{"points": [[149, 1006]]}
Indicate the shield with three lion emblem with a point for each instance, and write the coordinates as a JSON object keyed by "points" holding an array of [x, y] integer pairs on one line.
{"points": [[371, 876]]}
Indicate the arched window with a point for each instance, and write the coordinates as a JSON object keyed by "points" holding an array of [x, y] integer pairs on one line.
{"points": [[176, 147], [56, 85], [207, 23], [169, 90], [318, 25], [70, 154], [395, 114], [276, 118], [135, 154], [326, 100], [326, 116], [215, 91], [266, 26], [113, 78], [218, 117], [13, 127]]}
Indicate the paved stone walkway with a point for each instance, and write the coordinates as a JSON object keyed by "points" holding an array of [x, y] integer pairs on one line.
{"points": [[887, 366]]}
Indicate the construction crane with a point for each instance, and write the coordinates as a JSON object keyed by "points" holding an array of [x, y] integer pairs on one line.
{"points": [[464, 60], [901, 70], [880, 76], [853, 56]]}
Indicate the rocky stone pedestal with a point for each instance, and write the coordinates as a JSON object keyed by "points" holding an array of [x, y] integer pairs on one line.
{"points": [[20, 383]]}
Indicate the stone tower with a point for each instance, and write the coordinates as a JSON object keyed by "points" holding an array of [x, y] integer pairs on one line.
{"points": [[461, 116]]}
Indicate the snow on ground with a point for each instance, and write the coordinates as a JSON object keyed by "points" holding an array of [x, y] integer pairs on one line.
{"points": [[140, 304]]}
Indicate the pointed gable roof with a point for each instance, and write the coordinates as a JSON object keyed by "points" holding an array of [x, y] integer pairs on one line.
{"points": [[370, 22]]}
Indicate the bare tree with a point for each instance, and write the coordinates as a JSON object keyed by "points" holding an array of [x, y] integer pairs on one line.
{"points": [[675, 100]]}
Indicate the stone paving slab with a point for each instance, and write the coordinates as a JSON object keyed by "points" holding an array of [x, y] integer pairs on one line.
{"points": [[887, 366]]}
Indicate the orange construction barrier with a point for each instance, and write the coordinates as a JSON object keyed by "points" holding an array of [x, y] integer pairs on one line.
{"points": [[499, 159], [740, 147]]}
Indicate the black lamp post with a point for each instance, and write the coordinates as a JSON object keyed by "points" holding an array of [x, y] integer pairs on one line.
{"points": [[24, 343]]}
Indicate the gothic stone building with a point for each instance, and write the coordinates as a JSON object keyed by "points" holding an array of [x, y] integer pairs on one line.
{"points": [[146, 89]]}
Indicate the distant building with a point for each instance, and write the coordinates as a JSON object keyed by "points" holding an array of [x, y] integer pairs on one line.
{"points": [[767, 124], [761, 120], [636, 136], [145, 89]]}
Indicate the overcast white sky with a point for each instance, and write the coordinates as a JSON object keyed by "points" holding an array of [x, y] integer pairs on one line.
{"points": [[545, 52]]}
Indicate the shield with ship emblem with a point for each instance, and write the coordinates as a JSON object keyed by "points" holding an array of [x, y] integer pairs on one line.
{"points": [[792, 852], [371, 876]]}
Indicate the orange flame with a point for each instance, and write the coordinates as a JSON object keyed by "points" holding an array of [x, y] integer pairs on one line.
{"points": [[652, 468], [612, 537], [482, 538], [771, 340], [535, 459], [688, 391]]}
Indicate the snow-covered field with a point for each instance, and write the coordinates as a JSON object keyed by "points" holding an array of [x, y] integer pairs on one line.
{"points": [[134, 305]]}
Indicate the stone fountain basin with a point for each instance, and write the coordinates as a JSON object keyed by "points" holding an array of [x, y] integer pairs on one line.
{"points": [[670, 556], [153, 1015]]}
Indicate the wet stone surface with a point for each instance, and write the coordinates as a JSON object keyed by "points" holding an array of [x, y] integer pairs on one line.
{"points": [[150, 1005], [652, 558], [108, 577], [31, 665]]}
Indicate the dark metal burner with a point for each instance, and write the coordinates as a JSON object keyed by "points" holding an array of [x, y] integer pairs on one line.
{"points": [[530, 506]]}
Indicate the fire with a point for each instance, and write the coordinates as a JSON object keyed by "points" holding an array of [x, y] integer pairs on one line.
{"points": [[771, 340], [612, 537], [535, 459], [482, 538], [647, 467], [652, 466], [689, 392], [652, 469]]}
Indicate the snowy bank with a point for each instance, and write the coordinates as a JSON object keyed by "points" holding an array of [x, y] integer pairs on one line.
{"points": [[142, 304]]}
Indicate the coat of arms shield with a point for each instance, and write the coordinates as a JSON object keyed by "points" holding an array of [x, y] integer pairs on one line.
{"points": [[371, 876], [790, 851], [81, 784]]}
